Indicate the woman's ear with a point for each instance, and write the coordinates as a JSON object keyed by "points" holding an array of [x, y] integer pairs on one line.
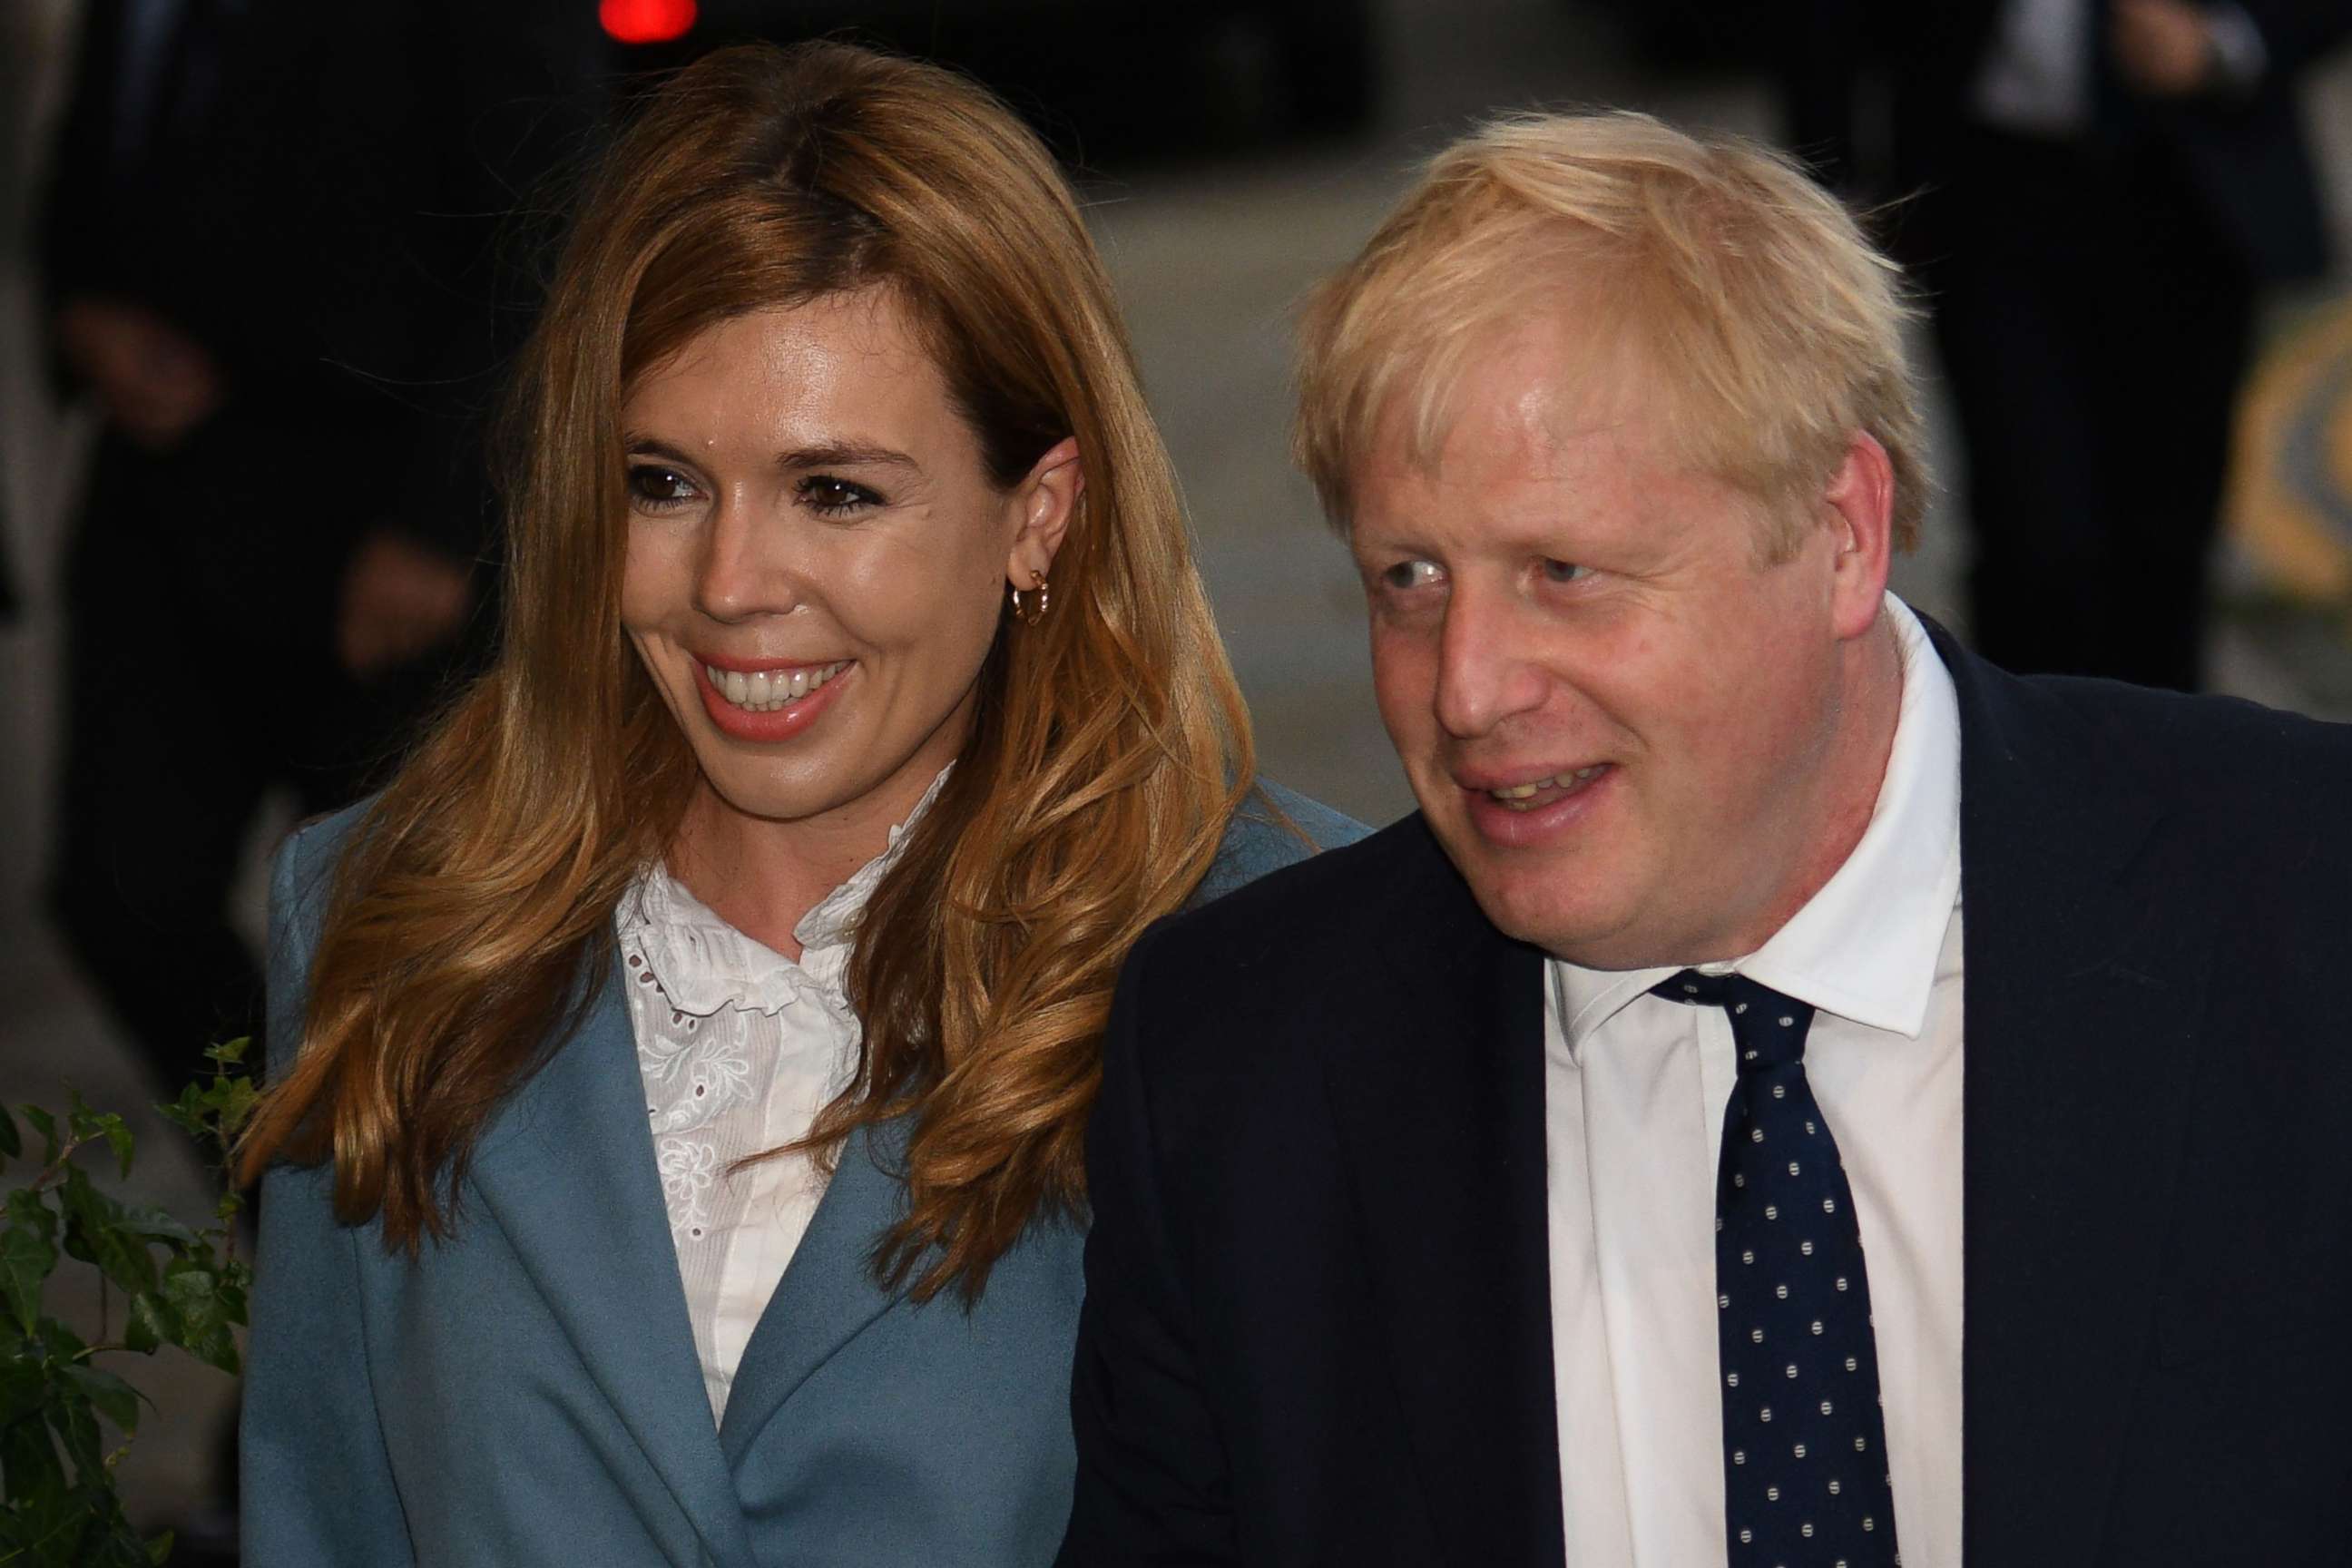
{"points": [[1045, 498]]}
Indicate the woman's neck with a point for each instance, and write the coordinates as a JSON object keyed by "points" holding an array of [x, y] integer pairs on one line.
{"points": [[762, 875]]}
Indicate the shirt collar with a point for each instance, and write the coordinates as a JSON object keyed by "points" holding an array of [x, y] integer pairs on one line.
{"points": [[702, 963], [1865, 947]]}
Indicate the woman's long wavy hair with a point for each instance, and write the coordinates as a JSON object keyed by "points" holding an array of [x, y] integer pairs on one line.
{"points": [[469, 924]]}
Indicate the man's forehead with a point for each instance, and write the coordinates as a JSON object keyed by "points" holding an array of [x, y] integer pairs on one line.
{"points": [[1537, 404]]}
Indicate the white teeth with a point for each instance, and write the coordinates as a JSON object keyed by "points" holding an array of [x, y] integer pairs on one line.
{"points": [[765, 691]]}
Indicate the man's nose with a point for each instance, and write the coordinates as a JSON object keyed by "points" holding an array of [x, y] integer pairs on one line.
{"points": [[1485, 673], [747, 565]]}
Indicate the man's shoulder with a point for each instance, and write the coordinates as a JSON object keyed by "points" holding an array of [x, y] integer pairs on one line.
{"points": [[2257, 788], [1334, 886], [2206, 750], [1320, 926]]}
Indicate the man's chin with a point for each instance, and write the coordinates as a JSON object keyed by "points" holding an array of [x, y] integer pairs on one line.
{"points": [[1526, 904]]}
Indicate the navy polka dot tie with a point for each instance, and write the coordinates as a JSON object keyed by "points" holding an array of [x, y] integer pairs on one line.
{"points": [[1804, 1442]]}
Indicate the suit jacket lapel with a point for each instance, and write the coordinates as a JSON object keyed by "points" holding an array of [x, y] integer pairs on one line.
{"points": [[569, 1174], [2084, 997], [1438, 1090], [828, 1293]]}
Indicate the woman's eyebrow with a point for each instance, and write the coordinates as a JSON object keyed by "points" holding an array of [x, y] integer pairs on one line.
{"points": [[824, 454], [844, 454]]}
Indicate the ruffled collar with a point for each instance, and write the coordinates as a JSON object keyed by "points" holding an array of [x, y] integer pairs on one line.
{"points": [[702, 963]]}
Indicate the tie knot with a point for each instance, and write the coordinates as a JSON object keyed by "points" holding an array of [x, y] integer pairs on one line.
{"points": [[1768, 1027]]}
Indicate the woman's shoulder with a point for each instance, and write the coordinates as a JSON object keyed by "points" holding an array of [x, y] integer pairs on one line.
{"points": [[307, 857], [1274, 828], [301, 875]]}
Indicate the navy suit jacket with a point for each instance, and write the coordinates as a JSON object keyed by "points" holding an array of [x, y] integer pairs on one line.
{"points": [[527, 1394], [1318, 1324]]}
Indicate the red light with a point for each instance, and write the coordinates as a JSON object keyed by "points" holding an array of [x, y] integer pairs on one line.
{"points": [[646, 21]]}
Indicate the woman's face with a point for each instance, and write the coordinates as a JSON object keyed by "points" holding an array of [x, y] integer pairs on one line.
{"points": [[816, 559]]}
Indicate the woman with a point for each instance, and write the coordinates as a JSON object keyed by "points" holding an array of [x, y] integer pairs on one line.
{"points": [[856, 710]]}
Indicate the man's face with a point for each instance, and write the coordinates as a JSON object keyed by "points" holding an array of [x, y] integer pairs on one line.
{"points": [[1622, 724]]}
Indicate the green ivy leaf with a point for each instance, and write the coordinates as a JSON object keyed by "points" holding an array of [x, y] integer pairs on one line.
{"points": [[27, 1210], [81, 1121], [58, 1503], [30, 1466], [187, 1112], [113, 1398], [95, 1233], [76, 1424], [151, 1323], [233, 1103], [42, 1122], [25, 1262], [155, 1225], [193, 1293], [23, 1386], [60, 1343], [117, 1134]]}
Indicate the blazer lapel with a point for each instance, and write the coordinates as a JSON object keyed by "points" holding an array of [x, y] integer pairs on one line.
{"points": [[828, 1293], [1438, 1091], [2083, 997], [570, 1176]]}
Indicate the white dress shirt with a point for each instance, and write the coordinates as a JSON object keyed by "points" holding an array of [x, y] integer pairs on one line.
{"points": [[740, 1047], [1635, 1093]]}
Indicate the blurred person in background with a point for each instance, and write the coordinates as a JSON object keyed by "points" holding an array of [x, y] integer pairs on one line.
{"points": [[681, 1158], [2093, 193], [263, 263]]}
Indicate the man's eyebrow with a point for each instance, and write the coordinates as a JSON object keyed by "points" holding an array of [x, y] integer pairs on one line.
{"points": [[828, 454]]}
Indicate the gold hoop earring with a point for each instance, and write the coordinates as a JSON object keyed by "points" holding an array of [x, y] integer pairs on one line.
{"points": [[1029, 614]]}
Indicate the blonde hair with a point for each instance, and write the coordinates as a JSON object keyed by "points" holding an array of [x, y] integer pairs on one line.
{"points": [[471, 917], [1770, 328]]}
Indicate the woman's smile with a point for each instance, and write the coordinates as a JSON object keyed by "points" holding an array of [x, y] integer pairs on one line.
{"points": [[770, 706]]}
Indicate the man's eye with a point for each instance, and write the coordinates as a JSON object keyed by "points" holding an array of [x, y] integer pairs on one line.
{"points": [[1564, 571], [653, 486], [832, 497], [1406, 574]]}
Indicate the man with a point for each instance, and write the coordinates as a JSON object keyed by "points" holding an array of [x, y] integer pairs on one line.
{"points": [[1793, 1094], [2096, 193]]}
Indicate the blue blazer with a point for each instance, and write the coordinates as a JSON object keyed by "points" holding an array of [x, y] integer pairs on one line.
{"points": [[528, 1392]]}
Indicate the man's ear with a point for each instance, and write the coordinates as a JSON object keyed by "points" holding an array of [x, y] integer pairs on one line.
{"points": [[1861, 508], [1047, 499]]}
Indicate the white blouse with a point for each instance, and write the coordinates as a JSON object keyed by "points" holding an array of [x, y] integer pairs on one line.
{"points": [[740, 1048]]}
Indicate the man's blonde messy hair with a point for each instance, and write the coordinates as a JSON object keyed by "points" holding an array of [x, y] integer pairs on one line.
{"points": [[1765, 328]]}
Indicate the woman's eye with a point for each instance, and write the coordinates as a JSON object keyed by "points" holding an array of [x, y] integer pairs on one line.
{"points": [[1407, 574], [1564, 571], [831, 497], [653, 487]]}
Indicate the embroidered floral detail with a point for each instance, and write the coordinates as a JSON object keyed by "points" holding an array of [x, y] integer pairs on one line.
{"points": [[696, 989], [688, 1166]]}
